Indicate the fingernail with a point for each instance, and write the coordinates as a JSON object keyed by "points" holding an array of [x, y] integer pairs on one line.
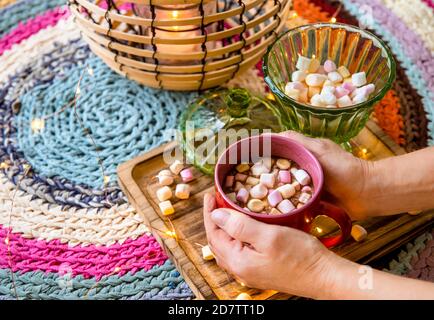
{"points": [[219, 217]]}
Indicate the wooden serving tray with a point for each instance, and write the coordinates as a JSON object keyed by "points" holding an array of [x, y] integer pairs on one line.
{"points": [[205, 278]]}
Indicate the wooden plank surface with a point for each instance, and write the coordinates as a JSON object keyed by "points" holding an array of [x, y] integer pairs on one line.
{"points": [[205, 278]]}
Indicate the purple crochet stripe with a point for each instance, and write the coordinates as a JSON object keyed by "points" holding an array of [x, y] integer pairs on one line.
{"points": [[410, 41]]}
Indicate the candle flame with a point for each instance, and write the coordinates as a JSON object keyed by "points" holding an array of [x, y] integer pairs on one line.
{"points": [[175, 14]]}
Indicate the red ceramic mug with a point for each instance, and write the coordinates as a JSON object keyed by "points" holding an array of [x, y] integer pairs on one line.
{"points": [[283, 147]]}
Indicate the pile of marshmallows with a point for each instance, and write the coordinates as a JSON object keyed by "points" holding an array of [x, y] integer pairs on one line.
{"points": [[166, 177], [327, 86], [268, 187]]}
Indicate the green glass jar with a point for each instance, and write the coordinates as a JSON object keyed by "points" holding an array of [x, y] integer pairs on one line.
{"points": [[357, 49], [219, 118]]}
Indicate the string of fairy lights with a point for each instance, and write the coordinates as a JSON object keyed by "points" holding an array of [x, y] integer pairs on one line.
{"points": [[37, 126]]}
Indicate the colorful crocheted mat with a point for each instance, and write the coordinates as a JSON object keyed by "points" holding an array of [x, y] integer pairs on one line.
{"points": [[69, 237]]}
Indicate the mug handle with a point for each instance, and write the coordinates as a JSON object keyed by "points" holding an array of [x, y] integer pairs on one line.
{"points": [[340, 216]]}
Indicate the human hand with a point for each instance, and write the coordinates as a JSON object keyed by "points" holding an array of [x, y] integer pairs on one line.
{"points": [[347, 178], [267, 256]]}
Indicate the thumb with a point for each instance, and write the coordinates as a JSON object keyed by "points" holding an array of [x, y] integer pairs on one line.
{"points": [[316, 145], [241, 227]]}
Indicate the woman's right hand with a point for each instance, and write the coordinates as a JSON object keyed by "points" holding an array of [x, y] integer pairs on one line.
{"points": [[346, 176]]}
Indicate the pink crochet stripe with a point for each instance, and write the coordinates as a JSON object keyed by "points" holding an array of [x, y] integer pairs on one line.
{"points": [[32, 26], [90, 261]]}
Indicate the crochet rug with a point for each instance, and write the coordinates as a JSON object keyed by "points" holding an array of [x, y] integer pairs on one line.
{"points": [[66, 230]]}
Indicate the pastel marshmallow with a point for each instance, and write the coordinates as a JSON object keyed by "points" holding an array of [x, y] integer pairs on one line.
{"points": [[274, 198], [207, 254], [360, 98], [283, 164], [316, 101], [348, 86], [187, 175], [328, 98], [296, 185], [287, 191], [267, 162], [358, 79], [243, 167], [275, 211], [182, 191], [255, 205], [238, 186], [285, 206], [314, 65], [252, 181], [303, 63], [329, 66], [285, 176], [166, 208], [268, 179], [311, 91], [164, 193], [334, 77], [302, 177], [328, 89], [344, 101], [242, 195], [306, 189], [232, 196], [229, 182], [321, 70], [259, 168], [343, 71], [176, 167], [328, 83], [341, 91], [304, 197], [241, 177], [315, 79], [293, 93], [358, 233], [259, 191], [298, 76], [165, 180]]}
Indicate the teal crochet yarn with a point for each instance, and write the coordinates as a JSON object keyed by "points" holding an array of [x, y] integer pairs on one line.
{"points": [[124, 119]]}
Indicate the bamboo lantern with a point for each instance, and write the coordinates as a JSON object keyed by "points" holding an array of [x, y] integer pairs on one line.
{"points": [[180, 45]]}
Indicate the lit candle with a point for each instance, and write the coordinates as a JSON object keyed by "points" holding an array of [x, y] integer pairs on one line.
{"points": [[179, 12]]}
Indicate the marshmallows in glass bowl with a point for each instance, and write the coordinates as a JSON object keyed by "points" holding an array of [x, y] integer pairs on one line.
{"points": [[327, 86]]}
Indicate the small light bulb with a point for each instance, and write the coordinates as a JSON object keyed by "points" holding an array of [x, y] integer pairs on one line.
{"points": [[117, 269], [77, 92], [170, 234], [294, 14], [333, 20], [90, 71], [26, 166], [365, 151], [37, 125], [318, 229], [175, 14], [106, 179], [7, 241]]}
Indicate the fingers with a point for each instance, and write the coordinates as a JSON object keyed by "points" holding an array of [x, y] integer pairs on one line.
{"points": [[222, 245], [243, 228]]}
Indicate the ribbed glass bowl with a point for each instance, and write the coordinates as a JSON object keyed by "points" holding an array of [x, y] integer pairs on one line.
{"points": [[357, 49]]}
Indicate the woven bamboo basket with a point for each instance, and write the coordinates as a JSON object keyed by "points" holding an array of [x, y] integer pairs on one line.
{"points": [[220, 38]]}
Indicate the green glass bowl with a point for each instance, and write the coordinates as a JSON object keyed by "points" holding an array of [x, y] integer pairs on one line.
{"points": [[357, 49]]}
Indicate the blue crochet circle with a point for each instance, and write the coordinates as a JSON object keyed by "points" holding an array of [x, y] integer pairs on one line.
{"points": [[123, 118]]}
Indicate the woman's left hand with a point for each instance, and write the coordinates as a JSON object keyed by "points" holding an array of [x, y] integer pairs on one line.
{"points": [[266, 256]]}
